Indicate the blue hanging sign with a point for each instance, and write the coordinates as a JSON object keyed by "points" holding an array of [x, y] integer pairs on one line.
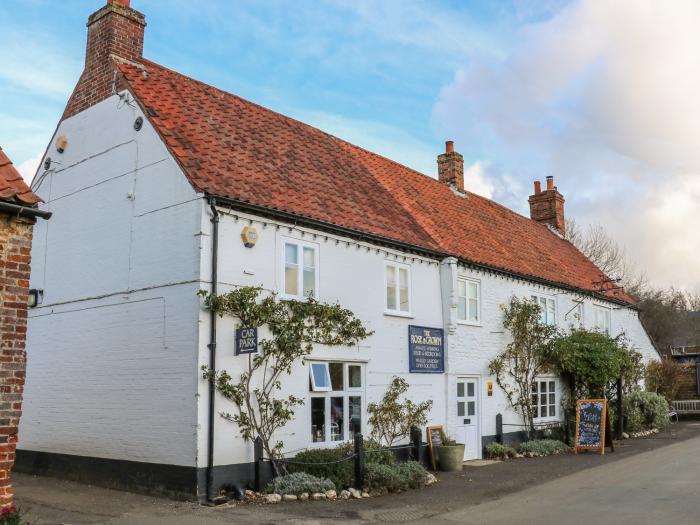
{"points": [[246, 340], [426, 350]]}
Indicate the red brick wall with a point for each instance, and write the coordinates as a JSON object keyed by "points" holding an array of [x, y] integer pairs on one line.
{"points": [[15, 246], [114, 31]]}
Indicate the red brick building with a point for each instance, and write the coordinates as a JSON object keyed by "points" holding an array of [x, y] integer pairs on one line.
{"points": [[18, 213]]}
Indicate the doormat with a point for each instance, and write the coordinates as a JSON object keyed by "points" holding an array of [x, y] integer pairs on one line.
{"points": [[481, 462]]}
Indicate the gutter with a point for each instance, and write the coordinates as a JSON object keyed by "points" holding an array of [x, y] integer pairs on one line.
{"points": [[212, 347], [24, 211], [301, 220]]}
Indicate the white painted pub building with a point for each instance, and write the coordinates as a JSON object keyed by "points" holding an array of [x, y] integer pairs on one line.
{"points": [[152, 178]]}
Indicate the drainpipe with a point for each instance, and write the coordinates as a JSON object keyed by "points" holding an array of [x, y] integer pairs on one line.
{"points": [[212, 345]]}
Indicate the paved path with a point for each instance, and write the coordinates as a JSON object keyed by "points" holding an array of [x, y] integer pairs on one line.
{"points": [[659, 485], [662, 486]]}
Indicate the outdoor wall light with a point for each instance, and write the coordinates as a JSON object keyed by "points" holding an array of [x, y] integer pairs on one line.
{"points": [[35, 298]]}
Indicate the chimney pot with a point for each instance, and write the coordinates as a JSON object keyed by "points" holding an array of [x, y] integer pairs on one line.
{"points": [[123, 3], [449, 146], [550, 182], [538, 187]]}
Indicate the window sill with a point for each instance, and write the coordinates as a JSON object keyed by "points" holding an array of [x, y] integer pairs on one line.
{"points": [[300, 298], [394, 313], [469, 323]]}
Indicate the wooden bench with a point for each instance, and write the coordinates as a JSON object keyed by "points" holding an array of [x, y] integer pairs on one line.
{"points": [[686, 406]]}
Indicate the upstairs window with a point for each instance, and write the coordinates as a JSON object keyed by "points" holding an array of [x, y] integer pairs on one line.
{"points": [[398, 288], [548, 309], [468, 301], [300, 276], [601, 318]]}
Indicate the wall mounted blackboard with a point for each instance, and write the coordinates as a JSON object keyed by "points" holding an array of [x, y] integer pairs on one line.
{"points": [[591, 415]]}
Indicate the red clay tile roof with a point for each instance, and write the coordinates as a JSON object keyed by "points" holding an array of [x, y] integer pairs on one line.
{"points": [[229, 147], [12, 186]]}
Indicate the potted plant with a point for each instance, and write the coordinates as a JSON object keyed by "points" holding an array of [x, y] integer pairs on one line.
{"points": [[451, 454]]}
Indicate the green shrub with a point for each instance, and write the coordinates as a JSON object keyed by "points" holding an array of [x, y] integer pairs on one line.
{"points": [[645, 410], [413, 473], [298, 483], [341, 473], [498, 451], [543, 447], [387, 477]]}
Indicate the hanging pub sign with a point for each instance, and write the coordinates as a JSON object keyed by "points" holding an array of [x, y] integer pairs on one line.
{"points": [[246, 340], [426, 351]]}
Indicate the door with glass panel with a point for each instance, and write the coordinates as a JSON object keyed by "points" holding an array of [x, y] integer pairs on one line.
{"points": [[467, 424]]}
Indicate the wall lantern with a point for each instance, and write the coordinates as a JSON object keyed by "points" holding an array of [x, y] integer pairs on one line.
{"points": [[489, 388], [36, 297], [249, 236]]}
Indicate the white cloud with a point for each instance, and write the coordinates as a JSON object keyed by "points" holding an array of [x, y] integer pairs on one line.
{"points": [[604, 96], [475, 180], [28, 168]]}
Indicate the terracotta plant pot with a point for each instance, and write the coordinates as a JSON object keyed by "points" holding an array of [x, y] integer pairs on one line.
{"points": [[451, 457]]}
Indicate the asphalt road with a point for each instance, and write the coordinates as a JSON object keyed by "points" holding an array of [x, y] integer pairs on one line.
{"points": [[661, 486], [654, 480]]}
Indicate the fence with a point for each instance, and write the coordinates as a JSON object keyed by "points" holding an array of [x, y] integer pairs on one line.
{"points": [[412, 451]]}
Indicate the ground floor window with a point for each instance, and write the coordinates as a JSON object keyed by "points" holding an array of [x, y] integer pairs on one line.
{"points": [[544, 398], [336, 403]]}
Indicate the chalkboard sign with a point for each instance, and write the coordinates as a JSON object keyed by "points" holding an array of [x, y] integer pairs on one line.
{"points": [[246, 340], [426, 351], [591, 423], [434, 434]]}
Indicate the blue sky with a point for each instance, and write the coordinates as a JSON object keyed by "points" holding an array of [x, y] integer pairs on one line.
{"points": [[600, 96]]}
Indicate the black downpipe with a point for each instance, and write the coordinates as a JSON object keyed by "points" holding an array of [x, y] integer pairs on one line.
{"points": [[212, 346], [16, 209]]}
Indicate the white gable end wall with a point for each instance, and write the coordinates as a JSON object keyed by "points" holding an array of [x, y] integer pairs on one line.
{"points": [[112, 354]]}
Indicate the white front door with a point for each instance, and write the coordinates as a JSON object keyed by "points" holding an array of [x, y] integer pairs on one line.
{"points": [[467, 424]]}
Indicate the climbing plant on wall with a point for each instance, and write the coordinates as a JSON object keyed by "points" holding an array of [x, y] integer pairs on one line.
{"points": [[525, 357], [294, 327]]}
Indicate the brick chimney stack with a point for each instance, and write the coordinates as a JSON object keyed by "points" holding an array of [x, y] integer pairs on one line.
{"points": [[114, 32], [451, 167], [548, 206]]}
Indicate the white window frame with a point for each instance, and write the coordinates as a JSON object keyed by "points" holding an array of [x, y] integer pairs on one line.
{"points": [[346, 394], [300, 273], [556, 404], [398, 312], [467, 281], [312, 378], [607, 312], [545, 311]]}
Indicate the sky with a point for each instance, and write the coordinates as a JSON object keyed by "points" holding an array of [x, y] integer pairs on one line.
{"points": [[604, 96]]}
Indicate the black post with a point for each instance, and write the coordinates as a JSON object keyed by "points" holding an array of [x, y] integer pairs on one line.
{"points": [[359, 461], [258, 458], [416, 440], [499, 428], [620, 412], [567, 429]]}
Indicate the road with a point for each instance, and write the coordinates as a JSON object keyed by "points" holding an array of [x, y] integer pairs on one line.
{"points": [[662, 486], [659, 485]]}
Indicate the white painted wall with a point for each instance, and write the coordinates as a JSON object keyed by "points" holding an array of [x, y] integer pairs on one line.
{"points": [[354, 276], [112, 354], [115, 350]]}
